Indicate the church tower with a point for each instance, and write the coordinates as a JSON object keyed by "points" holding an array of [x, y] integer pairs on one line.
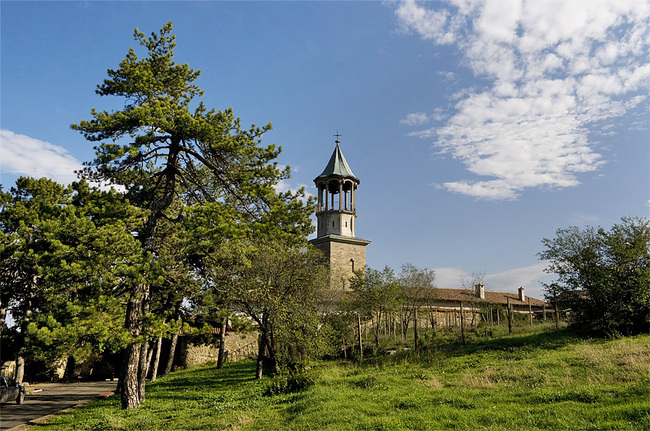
{"points": [[336, 214]]}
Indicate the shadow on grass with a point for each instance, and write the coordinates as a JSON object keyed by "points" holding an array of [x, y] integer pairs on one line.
{"points": [[551, 340], [517, 345], [231, 373]]}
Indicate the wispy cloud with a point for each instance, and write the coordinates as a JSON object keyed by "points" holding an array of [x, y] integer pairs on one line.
{"points": [[422, 119], [27, 156], [415, 119], [555, 69], [527, 276]]}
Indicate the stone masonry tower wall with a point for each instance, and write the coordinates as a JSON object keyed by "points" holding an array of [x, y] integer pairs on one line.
{"points": [[336, 214]]}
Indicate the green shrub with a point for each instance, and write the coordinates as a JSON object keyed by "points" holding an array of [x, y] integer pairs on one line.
{"points": [[289, 383]]}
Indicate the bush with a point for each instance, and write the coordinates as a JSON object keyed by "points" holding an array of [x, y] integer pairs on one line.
{"points": [[289, 383], [603, 276]]}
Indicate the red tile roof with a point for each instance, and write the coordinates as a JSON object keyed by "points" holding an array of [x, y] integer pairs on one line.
{"points": [[500, 298]]}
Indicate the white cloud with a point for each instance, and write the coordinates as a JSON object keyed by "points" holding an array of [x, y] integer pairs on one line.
{"points": [[428, 23], [554, 68], [448, 75], [415, 119], [527, 277], [422, 118], [284, 186], [449, 278], [27, 156]]}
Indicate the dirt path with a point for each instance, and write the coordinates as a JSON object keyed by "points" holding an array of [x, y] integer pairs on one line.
{"points": [[44, 399]]}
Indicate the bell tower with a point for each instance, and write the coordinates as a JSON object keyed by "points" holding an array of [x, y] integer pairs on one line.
{"points": [[336, 217]]}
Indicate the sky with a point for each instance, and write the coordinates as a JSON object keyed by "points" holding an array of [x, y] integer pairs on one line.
{"points": [[476, 128]]}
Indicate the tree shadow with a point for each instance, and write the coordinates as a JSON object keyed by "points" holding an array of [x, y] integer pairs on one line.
{"points": [[551, 340], [188, 384]]}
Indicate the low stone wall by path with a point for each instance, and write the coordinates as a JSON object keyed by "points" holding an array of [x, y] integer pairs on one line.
{"points": [[238, 347]]}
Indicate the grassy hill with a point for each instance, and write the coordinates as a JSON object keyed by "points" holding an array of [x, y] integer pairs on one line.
{"points": [[547, 380]]}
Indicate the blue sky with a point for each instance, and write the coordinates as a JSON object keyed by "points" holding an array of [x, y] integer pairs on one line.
{"points": [[476, 128]]}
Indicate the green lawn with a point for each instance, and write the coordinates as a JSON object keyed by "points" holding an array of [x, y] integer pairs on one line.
{"points": [[549, 380]]}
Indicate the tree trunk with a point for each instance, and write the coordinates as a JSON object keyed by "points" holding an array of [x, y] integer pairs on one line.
{"points": [[20, 360], [394, 328], [20, 369], [130, 364], [143, 368], [149, 358], [530, 312], [68, 374], [172, 353], [156, 361], [130, 387], [261, 347], [365, 331], [377, 323], [272, 347], [120, 376], [222, 343], [556, 315]]}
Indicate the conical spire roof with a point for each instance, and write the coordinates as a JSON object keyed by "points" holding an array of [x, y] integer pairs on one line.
{"points": [[337, 167]]}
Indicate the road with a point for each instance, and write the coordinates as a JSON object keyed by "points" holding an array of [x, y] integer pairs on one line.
{"points": [[45, 399]]}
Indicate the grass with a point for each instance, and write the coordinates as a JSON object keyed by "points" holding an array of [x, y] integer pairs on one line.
{"points": [[547, 380]]}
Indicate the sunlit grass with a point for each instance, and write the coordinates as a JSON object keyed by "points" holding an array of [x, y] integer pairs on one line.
{"points": [[549, 380]]}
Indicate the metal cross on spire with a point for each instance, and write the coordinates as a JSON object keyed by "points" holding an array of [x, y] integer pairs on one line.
{"points": [[337, 137]]}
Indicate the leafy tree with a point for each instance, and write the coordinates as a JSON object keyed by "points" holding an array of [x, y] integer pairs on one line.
{"points": [[68, 254], [377, 295], [472, 283], [603, 276], [277, 286], [167, 156], [416, 290], [21, 250]]}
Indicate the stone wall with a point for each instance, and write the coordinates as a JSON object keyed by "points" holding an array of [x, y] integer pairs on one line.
{"points": [[344, 254], [238, 347]]}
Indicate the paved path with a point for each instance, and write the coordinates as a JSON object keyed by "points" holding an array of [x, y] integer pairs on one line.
{"points": [[51, 399]]}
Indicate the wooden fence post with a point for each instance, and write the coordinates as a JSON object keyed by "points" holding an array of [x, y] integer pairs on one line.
{"points": [[509, 306], [415, 327], [462, 325], [360, 341]]}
